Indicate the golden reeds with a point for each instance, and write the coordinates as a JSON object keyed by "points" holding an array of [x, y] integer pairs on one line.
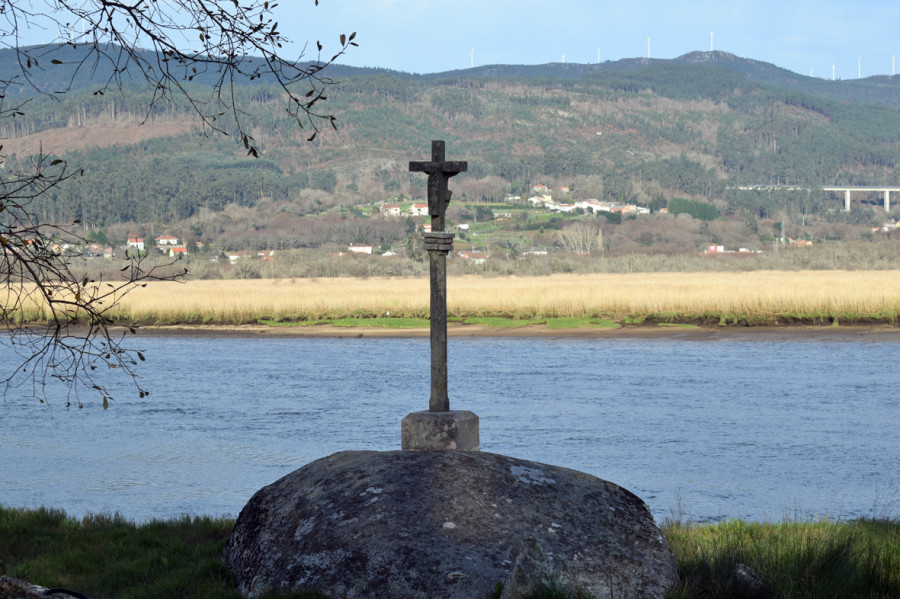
{"points": [[756, 295]]}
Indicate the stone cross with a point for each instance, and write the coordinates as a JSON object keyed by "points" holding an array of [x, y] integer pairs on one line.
{"points": [[439, 427], [438, 243]]}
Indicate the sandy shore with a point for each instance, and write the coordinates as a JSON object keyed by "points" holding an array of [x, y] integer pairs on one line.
{"points": [[762, 333]]}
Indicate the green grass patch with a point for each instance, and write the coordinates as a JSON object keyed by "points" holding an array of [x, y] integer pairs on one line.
{"points": [[574, 322], [678, 325], [393, 323], [501, 322], [287, 323], [795, 559]]}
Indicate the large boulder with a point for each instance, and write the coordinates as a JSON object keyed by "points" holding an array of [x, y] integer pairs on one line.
{"points": [[448, 524]]}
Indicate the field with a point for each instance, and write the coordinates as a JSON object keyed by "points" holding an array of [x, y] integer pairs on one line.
{"points": [[759, 297], [718, 298]]}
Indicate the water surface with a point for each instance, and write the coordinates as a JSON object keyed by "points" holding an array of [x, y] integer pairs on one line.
{"points": [[754, 429]]}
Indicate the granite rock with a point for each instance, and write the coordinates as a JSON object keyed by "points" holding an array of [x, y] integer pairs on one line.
{"points": [[448, 524]]}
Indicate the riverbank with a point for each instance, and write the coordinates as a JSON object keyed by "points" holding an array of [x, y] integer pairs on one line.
{"points": [[868, 332], [107, 556]]}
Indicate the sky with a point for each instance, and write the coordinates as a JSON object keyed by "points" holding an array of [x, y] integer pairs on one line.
{"points": [[852, 38]]}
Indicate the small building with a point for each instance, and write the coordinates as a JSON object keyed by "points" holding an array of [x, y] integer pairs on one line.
{"points": [[135, 242], [476, 257], [359, 248], [418, 210], [166, 240], [177, 250], [390, 209]]}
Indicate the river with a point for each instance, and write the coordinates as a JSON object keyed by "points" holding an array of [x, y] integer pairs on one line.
{"points": [[759, 429]]}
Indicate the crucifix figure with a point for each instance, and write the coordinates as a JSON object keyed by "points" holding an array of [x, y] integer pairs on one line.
{"points": [[439, 428], [438, 243]]}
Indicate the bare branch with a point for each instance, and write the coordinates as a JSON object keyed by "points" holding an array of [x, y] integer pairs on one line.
{"points": [[146, 41], [57, 322]]}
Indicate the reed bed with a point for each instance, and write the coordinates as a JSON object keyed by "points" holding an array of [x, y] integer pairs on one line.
{"points": [[757, 297]]}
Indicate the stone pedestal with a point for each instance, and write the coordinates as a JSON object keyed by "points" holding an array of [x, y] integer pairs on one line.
{"points": [[456, 429]]}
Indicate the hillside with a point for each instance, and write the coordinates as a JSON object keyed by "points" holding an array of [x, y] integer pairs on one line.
{"points": [[635, 132]]}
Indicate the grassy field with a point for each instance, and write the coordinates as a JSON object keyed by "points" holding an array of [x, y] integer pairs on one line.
{"points": [[755, 298], [108, 557]]}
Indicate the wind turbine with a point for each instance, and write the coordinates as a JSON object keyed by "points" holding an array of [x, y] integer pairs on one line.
{"points": [[859, 67], [598, 54], [648, 46], [472, 59], [710, 41]]}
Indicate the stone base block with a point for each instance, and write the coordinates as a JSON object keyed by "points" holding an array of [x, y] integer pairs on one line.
{"points": [[456, 429]]}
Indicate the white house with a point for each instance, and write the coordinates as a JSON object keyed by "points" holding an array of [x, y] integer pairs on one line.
{"points": [[390, 209], [359, 248], [419, 210], [136, 242]]}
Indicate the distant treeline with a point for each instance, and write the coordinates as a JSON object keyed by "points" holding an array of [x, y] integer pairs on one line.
{"points": [[639, 136]]}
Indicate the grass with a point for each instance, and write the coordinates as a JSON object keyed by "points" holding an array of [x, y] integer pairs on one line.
{"points": [[107, 556], [713, 298], [795, 559], [501, 322], [392, 323], [574, 322]]}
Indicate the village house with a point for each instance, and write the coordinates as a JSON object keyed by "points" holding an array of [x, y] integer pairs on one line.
{"points": [[177, 250], [540, 188], [360, 248], [554, 207], [262, 255], [535, 252], [390, 209], [540, 200], [476, 257], [418, 210], [166, 240], [720, 249], [135, 242]]}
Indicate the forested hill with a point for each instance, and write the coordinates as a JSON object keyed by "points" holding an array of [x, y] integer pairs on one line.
{"points": [[639, 131]]}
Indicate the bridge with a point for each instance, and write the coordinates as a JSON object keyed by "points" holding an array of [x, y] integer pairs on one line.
{"points": [[847, 189]]}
